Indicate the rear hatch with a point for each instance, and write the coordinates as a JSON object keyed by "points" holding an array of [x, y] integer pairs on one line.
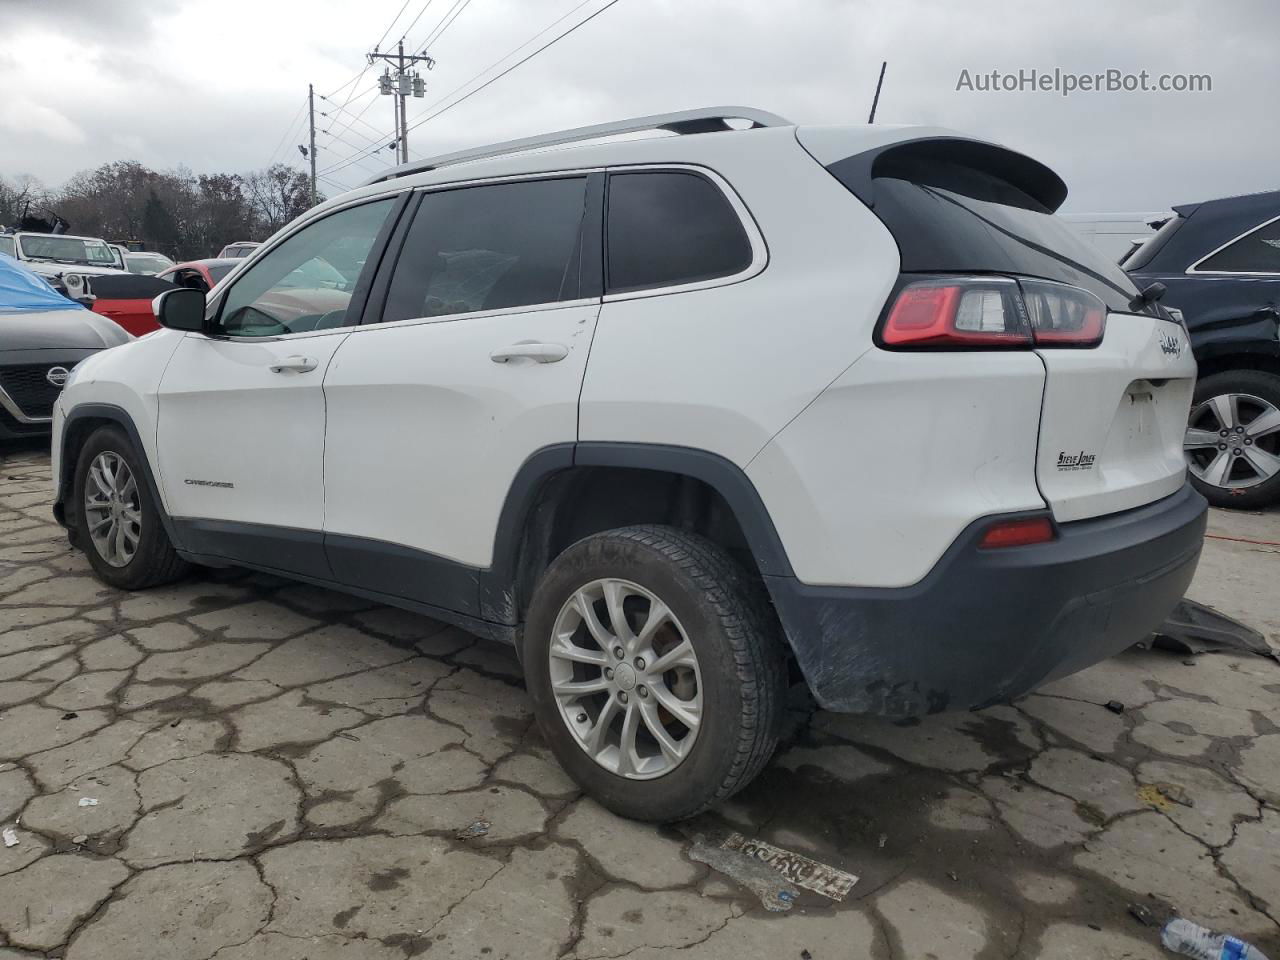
{"points": [[1116, 397]]}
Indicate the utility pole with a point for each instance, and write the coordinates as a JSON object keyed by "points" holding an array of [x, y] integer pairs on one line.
{"points": [[311, 102], [876, 101], [400, 80]]}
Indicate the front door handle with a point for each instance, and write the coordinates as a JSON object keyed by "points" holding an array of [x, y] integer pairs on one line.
{"points": [[528, 350], [295, 365]]}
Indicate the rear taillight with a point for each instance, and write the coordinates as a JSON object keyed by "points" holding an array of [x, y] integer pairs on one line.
{"points": [[992, 313], [1017, 533]]}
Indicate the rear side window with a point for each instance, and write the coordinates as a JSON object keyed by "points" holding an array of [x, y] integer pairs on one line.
{"points": [[949, 217], [671, 227], [1255, 252], [492, 247]]}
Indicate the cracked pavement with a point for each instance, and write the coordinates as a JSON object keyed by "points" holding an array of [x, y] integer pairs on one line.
{"points": [[285, 772]]}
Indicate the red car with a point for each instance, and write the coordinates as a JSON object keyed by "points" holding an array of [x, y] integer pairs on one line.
{"points": [[200, 275], [126, 299]]}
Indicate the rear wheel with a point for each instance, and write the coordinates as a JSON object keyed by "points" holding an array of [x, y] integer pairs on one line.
{"points": [[1233, 439], [119, 523], [656, 671]]}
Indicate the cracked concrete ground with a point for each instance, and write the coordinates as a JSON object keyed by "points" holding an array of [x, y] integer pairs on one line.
{"points": [[283, 772]]}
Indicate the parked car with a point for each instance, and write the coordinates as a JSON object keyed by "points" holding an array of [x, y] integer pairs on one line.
{"points": [[146, 263], [64, 260], [125, 299], [43, 335], [1220, 264], [202, 275], [855, 401], [238, 250]]}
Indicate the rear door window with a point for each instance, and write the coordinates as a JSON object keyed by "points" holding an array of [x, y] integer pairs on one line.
{"points": [[492, 247], [1255, 252], [671, 227]]}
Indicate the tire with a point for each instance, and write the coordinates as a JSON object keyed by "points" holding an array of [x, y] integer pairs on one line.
{"points": [[738, 674], [1256, 394], [153, 561]]}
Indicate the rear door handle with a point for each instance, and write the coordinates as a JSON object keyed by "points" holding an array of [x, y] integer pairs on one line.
{"points": [[528, 350], [295, 365]]}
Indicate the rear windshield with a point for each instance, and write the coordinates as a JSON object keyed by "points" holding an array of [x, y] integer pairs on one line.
{"points": [[1154, 244], [948, 218]]}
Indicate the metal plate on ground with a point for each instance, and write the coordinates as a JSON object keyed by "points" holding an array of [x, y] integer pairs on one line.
{"points": [[795, 867]]}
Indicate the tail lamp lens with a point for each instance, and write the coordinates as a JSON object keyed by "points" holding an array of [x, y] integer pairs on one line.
{"points": [[992, 312], [1017, 533]]}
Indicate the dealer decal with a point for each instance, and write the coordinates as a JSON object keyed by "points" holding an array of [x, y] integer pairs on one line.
{"points": [[1076, 461], [1170, 345]]}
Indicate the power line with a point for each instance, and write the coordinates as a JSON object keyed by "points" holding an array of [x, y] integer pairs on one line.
{"points": [[287, 130], [442, 26], [390, 25], [415, 21], [492, 80], [429, 115]]}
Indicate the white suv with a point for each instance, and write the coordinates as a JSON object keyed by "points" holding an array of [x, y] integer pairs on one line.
{"points": [[674, 415]]}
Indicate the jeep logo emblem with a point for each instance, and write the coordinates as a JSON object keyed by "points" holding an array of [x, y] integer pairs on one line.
{"points": [[1170, 345], [57, 376]]}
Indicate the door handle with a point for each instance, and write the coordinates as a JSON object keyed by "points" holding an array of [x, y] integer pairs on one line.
{"points": [[295, 365], [528, 350]]}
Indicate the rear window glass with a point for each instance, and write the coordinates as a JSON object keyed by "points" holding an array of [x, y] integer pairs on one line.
{"points": [[948, 218], [1154, 244], [492, 247], [1256, 252], [670, 227]]}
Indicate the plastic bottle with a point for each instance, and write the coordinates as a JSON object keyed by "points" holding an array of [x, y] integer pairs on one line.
{"points": [[1192, 940]]}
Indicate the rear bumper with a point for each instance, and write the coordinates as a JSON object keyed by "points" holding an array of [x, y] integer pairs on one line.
{"points": [[985, 626]]}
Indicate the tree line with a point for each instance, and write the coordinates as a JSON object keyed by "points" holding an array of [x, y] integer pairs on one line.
{"points": [[181, 214]]}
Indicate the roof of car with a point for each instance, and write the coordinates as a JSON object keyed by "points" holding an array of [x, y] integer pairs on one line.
{"points": [[208, 262], [65, 236], [1262, 200]]}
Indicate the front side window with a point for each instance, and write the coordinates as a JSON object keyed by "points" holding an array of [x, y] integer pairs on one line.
{"points": [[671, 227], [492, 247], [1256, 252], [306, 282]]}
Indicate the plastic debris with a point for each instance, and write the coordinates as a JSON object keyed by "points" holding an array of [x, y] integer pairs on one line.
{"points": [[1192, 940], [477, 829], [775, 893], [884, 838], [1115, 706], [1195, 628], [80, 839], [741, 858], [10, 836], [88, 801]]}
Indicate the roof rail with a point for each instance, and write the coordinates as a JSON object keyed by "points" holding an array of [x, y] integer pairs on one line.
{"points": [[704, 120]]}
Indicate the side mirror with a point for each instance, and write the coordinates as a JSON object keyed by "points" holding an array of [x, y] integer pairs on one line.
{"points": [[180, 309]]}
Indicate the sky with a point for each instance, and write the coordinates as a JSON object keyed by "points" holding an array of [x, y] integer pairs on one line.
{"points": [[218, 85]]}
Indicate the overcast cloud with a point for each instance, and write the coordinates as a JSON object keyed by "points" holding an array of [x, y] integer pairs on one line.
{"points": [[215, 84]]}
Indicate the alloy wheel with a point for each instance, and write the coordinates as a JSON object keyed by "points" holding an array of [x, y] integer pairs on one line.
{"points": [[112, 509], [626, 679], [1233, 441]]}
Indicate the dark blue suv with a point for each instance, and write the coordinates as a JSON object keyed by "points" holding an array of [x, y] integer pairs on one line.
{"points": [[1220, 263]]}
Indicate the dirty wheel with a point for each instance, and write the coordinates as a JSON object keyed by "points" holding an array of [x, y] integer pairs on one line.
{"points": [[117, 518], [655, 669], [1233, 439]]}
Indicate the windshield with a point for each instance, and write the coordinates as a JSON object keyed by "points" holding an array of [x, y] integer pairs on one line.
{"points": [[147, 264], [6, 245], [66, 250]]}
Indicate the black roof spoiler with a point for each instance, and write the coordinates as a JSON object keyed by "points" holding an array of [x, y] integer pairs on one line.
{"points": [[1029, 176]]}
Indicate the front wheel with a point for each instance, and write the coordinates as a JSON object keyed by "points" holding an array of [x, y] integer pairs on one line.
{"points": [[118, 520], [656, 671], [1233, 439]]}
